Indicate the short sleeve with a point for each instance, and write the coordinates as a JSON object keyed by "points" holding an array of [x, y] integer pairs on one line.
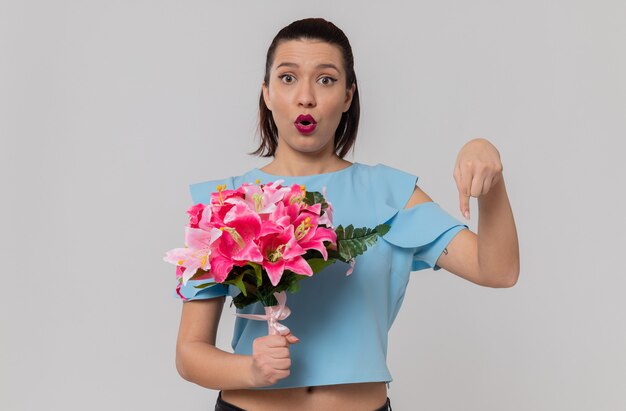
{"points": [[201, 193], [189, 292], [426, 256], [426, 228]]}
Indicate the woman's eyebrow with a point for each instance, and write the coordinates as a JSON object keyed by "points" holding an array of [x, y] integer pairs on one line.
{"points": [[328, 65], [287, 64], [319, 66]]}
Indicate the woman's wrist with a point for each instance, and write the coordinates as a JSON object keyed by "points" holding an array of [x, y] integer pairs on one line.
{"points": [[248, 374]]}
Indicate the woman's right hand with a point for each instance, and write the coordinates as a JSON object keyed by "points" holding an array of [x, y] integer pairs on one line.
{"points": [[270, 359]]}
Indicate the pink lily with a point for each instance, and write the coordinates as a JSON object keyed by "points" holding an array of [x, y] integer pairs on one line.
{"points": [[262, 200], [295, 195], [200, 217], [305, 221], [309, 234], [237, 246], [281, 252], [195, 214], [222, 202], [197, 253]]}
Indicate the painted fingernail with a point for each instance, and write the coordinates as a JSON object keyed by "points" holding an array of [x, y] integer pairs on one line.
{"points": [[467, 216]]}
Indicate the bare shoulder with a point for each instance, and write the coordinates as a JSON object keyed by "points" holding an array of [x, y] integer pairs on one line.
{"points": [[417, 197]]}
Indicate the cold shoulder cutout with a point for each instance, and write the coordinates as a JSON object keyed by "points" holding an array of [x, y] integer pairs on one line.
{"points": [[425, 228]]}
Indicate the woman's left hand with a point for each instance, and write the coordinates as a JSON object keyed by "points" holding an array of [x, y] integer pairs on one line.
{"points": [[477, 169]]}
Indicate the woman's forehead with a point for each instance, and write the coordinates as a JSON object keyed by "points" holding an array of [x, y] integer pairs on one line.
{"points": [[307, 53]]}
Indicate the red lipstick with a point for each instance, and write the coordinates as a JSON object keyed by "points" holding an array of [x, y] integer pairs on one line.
{"points": [[305, 124]]}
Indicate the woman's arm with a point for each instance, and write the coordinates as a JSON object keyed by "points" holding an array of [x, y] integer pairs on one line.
{"points": [[197, 358], [199, 361], [490, 257]]}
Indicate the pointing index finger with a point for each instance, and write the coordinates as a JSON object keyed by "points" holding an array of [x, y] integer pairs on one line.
{"points": [[463, 184]]}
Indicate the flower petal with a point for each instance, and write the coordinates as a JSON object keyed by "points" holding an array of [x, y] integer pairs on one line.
{"points": [[275, 270], [190, 270], [195, 213], [176, 255], [200, 239], [299, 266], [220, 266]]}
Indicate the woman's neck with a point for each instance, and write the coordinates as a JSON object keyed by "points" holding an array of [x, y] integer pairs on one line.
{"points": [[304, 165]]}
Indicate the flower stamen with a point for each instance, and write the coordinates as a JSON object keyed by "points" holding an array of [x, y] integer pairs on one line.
{"points": [[277, 254], [220, 188], [235, 236], [258, 201], [303, 229]]}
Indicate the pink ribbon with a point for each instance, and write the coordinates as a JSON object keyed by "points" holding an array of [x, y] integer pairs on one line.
{"points": [[273, 314], [352, 263]]}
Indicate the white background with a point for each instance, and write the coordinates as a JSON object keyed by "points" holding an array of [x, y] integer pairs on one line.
{"points": [[109, 109]]}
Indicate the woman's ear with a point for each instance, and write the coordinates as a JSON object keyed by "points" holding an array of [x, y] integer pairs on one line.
{"points": [[349, 95], [266, 96]]}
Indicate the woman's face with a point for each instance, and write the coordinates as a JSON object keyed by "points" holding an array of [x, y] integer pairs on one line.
{"points": [[307, 95]]}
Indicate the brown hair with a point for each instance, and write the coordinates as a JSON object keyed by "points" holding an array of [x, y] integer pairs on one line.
{"points": [[313, 29]]}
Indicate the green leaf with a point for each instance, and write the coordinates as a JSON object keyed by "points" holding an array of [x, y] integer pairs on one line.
{"points": [[333, 254], [259, 273], [348, 231], [242, 300], [339, 232], [199, 273], [314, 197], [205, 285], [294, 287], [268, 299], [318, 264], [355, 241], [238, 282], [382, 229]]}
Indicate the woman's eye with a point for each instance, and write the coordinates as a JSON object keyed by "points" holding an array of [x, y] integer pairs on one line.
{"points": [[286, 78], [327, 81]]}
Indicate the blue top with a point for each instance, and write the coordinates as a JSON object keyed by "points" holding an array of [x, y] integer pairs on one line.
{"points": [[343, 321]]}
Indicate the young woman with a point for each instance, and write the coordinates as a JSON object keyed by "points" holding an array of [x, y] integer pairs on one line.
{"points": [[334, 357]]}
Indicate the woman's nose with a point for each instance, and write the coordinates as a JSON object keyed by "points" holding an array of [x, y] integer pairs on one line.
{"points": [[306, 97]]}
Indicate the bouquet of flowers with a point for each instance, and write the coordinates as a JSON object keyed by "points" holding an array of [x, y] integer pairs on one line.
{"points": [[263, 239]]}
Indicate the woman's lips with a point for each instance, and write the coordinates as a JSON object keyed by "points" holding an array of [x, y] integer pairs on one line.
{"points": [[305, 124]]}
